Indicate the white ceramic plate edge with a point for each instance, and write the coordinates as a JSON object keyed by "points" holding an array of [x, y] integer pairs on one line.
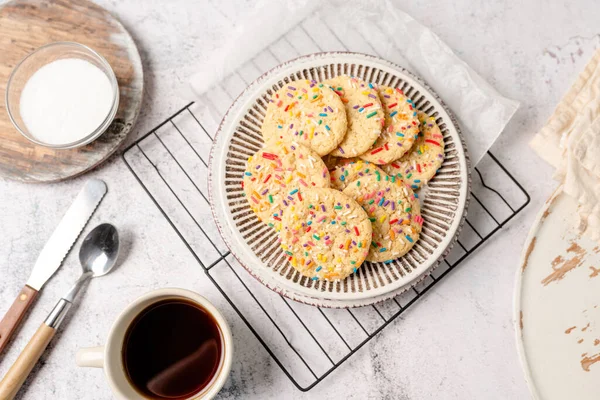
{"points": [[518, 289]]}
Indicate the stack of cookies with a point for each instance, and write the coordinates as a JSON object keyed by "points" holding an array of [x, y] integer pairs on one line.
{"points": [[337, 174]]}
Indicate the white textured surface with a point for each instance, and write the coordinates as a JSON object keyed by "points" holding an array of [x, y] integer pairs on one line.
{"points": [[457, 343]]}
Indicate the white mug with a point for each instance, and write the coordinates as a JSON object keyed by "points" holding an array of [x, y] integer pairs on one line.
{"points": [[109, 356]]}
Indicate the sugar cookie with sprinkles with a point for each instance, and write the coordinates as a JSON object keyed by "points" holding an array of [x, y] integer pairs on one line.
{"points": [[400, 130], [346, 173], [327, 235], [364, 113], [424, 159], [394, 212], [308, 112], [276, 176]]}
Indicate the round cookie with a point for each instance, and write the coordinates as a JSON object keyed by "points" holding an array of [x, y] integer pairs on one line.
{"points": [[394, 212], [400, 130], [307, 112], [327, 235], [346, 173], [419, 165], [276, 176], [364, 113]]}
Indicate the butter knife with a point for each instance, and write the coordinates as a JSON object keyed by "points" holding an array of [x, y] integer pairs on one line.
{"points": [[52, 255]]}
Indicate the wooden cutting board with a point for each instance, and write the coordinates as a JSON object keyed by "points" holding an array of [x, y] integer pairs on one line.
{"points": [[26, 25]]}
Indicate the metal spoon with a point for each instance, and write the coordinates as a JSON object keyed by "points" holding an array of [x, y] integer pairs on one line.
{"points": [[98, 255]]}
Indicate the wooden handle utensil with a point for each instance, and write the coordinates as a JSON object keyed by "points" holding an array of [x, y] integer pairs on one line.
{"points": [[98, 255], [16, 375], [52, 255], [13, 317]]}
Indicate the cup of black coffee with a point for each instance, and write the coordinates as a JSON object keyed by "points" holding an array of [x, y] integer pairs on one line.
{"points": [[167, 344]]}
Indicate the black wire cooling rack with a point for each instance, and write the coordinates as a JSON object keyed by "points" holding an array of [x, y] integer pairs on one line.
{"points": [[170, 163]]}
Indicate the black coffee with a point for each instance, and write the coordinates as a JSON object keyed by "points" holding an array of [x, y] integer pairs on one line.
{"points": [[172, 350]]}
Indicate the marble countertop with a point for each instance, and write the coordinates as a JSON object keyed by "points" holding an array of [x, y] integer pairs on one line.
{"points": [[457, 343]]}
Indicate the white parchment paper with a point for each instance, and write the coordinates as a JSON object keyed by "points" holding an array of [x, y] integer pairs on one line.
{"points": [[378, 28]]}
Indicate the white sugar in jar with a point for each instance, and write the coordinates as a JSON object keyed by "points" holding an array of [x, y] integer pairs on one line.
{"points": [[63, 95], [65, 101]]}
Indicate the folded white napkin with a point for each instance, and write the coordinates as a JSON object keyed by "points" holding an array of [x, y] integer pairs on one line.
{"points": [[570, 141]]}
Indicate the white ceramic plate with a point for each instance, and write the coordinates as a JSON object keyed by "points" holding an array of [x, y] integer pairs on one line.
{"points": [[256, 245], [557, 306]]}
